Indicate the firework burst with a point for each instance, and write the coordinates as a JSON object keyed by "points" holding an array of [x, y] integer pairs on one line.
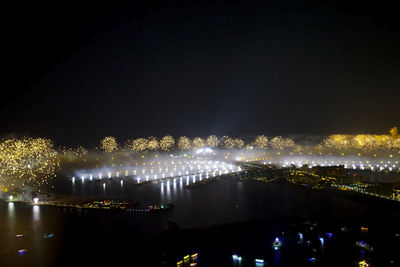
{"points": [[167, 143], [212, 141], [27, 161], [261, 141], [184, 143], [109, 144], [198, 142]]}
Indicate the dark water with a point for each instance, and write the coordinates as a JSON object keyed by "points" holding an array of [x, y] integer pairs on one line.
{"points": [[103, 237]]}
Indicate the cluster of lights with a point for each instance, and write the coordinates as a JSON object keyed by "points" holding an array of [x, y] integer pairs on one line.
{"points": [[151, 144], [167, 143], [184, 143], [279, 142], [232, 143], [188, 260], [158, 170], [318, 159], [70, 154], [109, 144], [365, 142], [236, 257], [138, 144], [277, 243], [34, 161], [27, 161], [212, 141], [361, 189], [261, 141], [198, 142]]}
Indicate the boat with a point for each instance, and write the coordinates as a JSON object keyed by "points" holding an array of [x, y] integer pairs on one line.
{"points": [[19, 236], [49, 235], [364, 245], [22, 251], [277, 243]]}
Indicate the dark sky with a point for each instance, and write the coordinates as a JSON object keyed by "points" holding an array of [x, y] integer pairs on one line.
{"points": [[77, 72]]}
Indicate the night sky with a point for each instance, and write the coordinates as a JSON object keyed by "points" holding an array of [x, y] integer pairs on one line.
{"points": [[77, 72]]}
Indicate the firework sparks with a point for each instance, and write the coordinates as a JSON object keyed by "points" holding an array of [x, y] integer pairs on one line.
{"points": [[239, 143], [27, 161], [152, 143], [279, 142], [109, 144], [261, 141], [138, 144], [228, 142], [212, 141], [365, 142], [198, 142], [184, 143], [167, 142]]}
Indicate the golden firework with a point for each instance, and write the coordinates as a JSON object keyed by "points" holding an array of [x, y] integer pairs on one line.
{"points": [[228, 142], [261, 141], [279, 142], [167, 142], [109, 144], [138, 144], [198, 142], [212, 141], [27, 161], [239, 143], [184, 143], [365, 142], [152, 143]]}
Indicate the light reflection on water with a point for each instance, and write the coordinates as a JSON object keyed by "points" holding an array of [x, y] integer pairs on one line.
{"points": [[168, 195], [11, 210], [225, 201], [11, 216], [36, 213]]}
